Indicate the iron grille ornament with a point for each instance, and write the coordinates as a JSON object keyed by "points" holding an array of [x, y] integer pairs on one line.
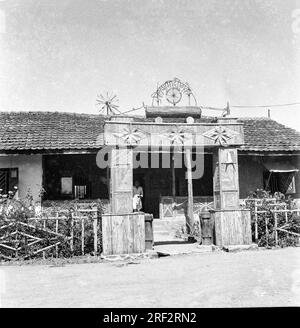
{"points": [[173, 91], [173, 96]]}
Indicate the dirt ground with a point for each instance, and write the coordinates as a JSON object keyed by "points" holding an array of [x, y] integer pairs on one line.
{"points": [[218, 279]]}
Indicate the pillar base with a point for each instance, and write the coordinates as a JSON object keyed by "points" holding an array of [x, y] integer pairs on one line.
{"points": [[239, 248], [232, 227]]}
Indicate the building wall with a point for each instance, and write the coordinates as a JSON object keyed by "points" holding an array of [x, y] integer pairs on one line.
{"points": [[251, 171], [30, 171]]}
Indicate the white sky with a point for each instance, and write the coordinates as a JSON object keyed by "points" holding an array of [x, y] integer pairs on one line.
{"points": [[59, 54]]}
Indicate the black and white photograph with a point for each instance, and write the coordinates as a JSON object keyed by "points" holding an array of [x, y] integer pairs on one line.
{"points": [[149, 157]]}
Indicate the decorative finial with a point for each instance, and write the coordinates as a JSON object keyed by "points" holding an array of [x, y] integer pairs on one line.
{"points": [[108, 104]]}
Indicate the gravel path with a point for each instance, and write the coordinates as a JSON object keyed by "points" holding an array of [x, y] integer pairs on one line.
{"points": [[248, 278]]}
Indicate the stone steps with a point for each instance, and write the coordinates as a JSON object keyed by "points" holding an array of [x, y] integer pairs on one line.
{"points": [[165, 230]]}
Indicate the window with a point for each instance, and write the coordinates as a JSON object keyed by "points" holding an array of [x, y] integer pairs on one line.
{"points": [[283, 182], [81, 183], [67, 185], [4, 181], [8, 179]]}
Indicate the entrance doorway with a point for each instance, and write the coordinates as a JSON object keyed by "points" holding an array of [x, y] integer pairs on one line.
{"points": [[158, 182], [155, 183]]}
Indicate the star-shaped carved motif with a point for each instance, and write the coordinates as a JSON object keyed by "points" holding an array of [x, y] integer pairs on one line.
{"points": [[130, 135], [219, 135], [178, 136]]}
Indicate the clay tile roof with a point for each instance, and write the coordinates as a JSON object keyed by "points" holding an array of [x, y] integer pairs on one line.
{"points": [[21, 131], [265, 134], [44, 131]]}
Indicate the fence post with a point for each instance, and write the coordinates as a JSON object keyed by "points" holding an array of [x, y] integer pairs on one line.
{"points": [[267, 231], [44, 226], [56, 230], [82, 236], [16, 242], [95, 235], [275, 227], [255, 222], [72, 234]]}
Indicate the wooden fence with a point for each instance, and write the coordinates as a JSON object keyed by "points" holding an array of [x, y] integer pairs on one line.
{"points": [[123, 234], [278, 218], [64, 231], [167, 211], [55, 233]]}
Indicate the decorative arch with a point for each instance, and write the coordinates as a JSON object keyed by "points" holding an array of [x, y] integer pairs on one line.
{"points": [[173, 91]]}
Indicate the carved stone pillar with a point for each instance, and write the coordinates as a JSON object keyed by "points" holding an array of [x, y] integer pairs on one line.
{"points": [[226, 183], [121, 180]]}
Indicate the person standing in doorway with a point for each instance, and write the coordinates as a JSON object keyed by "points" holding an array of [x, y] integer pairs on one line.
{"points": [[137, 196]]}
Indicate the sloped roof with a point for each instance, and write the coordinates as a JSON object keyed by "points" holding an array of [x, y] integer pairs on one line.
{"points": [[264, 134], [50, 131]]}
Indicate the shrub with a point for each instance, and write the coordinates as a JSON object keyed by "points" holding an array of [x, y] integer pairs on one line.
{"points": [[24, 233], [266, 220]]}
